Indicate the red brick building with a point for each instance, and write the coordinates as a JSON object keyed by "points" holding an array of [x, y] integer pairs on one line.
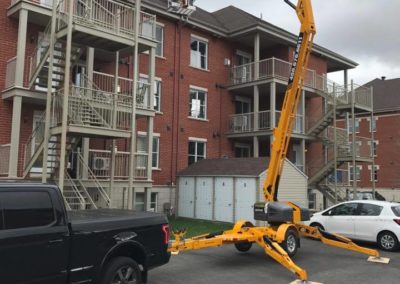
{"points": [[218, 83]]}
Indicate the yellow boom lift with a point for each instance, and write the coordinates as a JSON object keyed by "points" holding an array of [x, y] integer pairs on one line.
{"points": [[280, 239]]}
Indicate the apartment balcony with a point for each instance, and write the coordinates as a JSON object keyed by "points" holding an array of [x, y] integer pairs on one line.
{"points": [[104, 24], [100, 165], [276, 69], [242, 125]]}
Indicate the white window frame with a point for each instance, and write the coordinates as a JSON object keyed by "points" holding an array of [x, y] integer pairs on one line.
{"points": [[372, 172], [349, 123], [162, 27], [198, 90], [198, 56], [144, 78], [370, 124], [154, 205], [350, 167], [375, 144], [197, 140], [142, 134]]}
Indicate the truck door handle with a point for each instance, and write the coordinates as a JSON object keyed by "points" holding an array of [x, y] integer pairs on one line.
{"points": [[54, 242]]}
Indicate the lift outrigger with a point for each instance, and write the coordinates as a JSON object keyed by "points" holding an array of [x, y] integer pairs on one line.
{"points": [[281, 237]]}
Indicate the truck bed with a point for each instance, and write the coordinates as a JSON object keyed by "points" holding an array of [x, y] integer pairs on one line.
{"points": [[107, 218]]}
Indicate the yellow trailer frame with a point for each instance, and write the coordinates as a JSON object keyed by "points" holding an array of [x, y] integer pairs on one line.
{"points": [[271, 237]]}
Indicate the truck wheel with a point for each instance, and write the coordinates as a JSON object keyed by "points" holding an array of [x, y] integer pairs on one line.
{"points": [[291, 242], [243, 246], [122, 270]]}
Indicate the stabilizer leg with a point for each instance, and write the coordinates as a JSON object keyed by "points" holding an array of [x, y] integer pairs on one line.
{"points": [[275, 251], [336, 240]]}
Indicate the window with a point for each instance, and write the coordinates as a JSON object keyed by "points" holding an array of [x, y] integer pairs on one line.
{"points": [[153, 201], [139, 201], [198, 53], [312, 200], [374, 173], [160, 40], [1, 218], [141, 148], [358, 172], [396, 210], [242, 150], [347, 209], [370, 210], [157, 95], [373, 148], [155, 158], [26, 209], [372, 126], [350, 125], [198, 104], [197, 151], [143, 97]]}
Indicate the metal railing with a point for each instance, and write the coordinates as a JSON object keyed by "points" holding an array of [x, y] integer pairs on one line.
{"points": [[109, 16], [102, 192], [239, 123], [279, 69], [106, 82], [34, 140], [72, 194], [10, 72], [5, 159], [93, 107], [100, 164], [40, 52], [244, 122]]}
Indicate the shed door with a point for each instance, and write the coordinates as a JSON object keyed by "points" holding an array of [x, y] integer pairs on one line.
{"points": [[204, 204], [186, 197], [224, 199], [245, 198]]}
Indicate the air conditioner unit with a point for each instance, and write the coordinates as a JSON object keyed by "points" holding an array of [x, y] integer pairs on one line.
{"points": [[101, 163], [182, 7]]}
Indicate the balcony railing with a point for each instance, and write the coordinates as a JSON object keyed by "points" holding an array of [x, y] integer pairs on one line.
{"points": [[10, 72], [279, 69], [5, 159], [100, 164], [242, 123], [107, 15], [106, 82]]}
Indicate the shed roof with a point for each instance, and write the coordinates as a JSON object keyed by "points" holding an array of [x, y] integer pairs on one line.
{"points": [[227, 167]]}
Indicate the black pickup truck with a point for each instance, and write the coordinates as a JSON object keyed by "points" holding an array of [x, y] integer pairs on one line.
{"points": [[41, 242]]}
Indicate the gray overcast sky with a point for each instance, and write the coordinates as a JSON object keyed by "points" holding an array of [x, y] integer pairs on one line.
{"points": [[366, 31]]}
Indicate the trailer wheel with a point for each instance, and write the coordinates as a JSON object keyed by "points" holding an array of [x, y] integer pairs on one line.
{"points": [[121, 270], [291, 242], [243, 246]]}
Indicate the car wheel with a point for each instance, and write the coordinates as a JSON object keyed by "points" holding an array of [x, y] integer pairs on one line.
{"points": [[122, 270], [388, 241], [243, 246], [318, 226], [291, 242]]}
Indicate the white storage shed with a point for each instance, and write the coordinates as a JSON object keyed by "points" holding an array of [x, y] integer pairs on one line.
{"points": [[226, 189]]}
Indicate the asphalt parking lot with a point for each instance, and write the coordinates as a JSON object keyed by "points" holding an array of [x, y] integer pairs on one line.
{"points": [[323, 264]]}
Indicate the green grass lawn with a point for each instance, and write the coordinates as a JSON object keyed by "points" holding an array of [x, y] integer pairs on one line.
{"points": [[197, 227]]}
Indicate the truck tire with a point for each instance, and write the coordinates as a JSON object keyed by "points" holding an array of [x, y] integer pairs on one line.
{"points": [[122, 270], [291, 242], [243, 246]]}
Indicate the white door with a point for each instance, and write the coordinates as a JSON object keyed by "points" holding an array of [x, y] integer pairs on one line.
{"points": [[245, 198], [340, 219], [186, 197], [369, 222], [204, 202], [224, 199]]}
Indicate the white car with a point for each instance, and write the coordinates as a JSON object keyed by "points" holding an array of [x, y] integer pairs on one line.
{"points": [[366, 220]]}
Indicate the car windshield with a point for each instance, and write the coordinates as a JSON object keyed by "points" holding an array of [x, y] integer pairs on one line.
{"points": [[396, 210]]}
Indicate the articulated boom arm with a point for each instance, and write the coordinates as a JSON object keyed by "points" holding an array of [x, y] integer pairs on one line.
{"points": [[283, 132]]}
